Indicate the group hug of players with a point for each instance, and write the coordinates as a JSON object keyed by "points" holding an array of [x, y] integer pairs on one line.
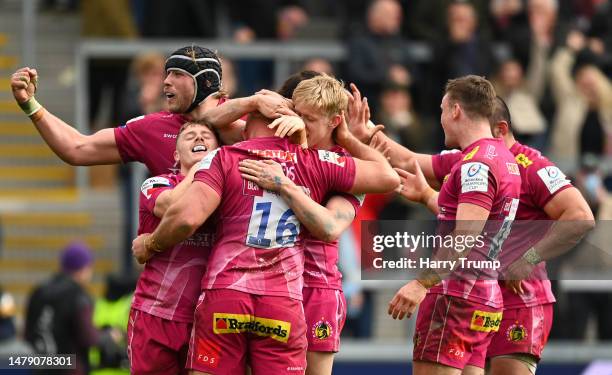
{"points": [[240, 242]]}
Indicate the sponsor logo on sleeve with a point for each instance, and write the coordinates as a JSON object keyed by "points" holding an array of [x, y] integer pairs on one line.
{"points": [[513, 169], [207, 161], [471, 154], [332, 157], [321, 330], [523, 160], [149, 186], [474, 177], [553, 178], [240, 323], [484, 321]]}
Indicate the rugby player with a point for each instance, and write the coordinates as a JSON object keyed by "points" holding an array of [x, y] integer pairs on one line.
{"points": [[252, 289], [192, 87], [161, 317], [321, 101], [545, 195], [457, 317]]}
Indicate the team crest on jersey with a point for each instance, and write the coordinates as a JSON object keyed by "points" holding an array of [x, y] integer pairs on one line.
{"points": [[513, 169], [523, 160], [553, 178], [484, 321], [332, 157], [471, 154], [282, 155], [516, 333], [445, 178], [153, 183], [322, 330]]}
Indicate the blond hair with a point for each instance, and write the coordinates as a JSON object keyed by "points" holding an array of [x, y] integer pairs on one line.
{"points": [[324, 93]]}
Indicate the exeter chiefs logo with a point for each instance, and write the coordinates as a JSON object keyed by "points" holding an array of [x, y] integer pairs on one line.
{"points": [[322, 330], [516, 332]]}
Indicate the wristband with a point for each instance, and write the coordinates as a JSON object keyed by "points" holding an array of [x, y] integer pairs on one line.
{"points": [[531, 256], [429, 278], [30, 107]]}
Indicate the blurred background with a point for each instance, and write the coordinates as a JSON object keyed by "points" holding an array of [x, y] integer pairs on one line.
{"points": [[101, 62]]}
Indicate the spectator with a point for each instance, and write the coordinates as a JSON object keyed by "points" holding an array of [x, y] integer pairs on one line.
{"points": [[59, 312], [319, 65], [179, 18], [400, 120], [522, 97], [583, 122], [145, 91], [10, 345], [430, 19], [505, 13], [274, 19], [378, 55]]}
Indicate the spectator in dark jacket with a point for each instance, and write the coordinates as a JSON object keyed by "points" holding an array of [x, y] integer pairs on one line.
{"points": [[59, 312]]}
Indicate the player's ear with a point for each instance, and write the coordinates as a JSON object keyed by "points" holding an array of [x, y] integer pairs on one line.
{"points": [[456, 110], [503, 127], [176, 156], [335, 121]]}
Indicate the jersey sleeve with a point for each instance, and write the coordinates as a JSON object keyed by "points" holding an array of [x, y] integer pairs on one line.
{"points": [[356, 200], [545, 181], [477, 183], [130, 140], [151, 189], [443, 162], [336, 170], [210, 170]]}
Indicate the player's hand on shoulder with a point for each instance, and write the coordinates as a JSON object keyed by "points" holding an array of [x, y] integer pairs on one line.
{"points": [[23, 84], [406, 300], [267, 174]]}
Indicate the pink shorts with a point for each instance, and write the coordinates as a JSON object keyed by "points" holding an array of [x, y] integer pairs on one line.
{"points": [[523, 330], [232, 328], [453, 331], [157, 345], [325, 311]]}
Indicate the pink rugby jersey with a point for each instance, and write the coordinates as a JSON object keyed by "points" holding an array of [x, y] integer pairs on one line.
{"points": [[320, 257], [169, 285], [151, 140], [541, 180], [258, 248], [486, 176]]}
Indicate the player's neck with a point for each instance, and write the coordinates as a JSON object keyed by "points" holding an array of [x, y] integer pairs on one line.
{"points": [[474, 132], [198, 111]]}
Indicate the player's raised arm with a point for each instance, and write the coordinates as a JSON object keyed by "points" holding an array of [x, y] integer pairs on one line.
{"points": [[399, 156], [66, 142], [373, 174], [324, 222], [226, 117]]}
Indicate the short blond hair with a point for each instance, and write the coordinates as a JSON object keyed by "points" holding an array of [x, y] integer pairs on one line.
{"points": [[324, 93]]}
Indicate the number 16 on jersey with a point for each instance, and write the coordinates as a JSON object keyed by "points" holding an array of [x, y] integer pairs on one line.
{"points": [[273, 224]]}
